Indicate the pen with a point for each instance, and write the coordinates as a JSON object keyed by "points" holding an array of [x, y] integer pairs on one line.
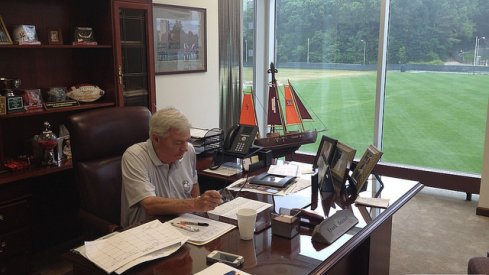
{"points": [[186, 227], [194, 223]]}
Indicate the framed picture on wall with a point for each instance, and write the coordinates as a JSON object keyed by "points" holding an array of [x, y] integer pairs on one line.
{"points": [[179, 39]]}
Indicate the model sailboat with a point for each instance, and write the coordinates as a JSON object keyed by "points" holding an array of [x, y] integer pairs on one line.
{"points": [[280, 140]]}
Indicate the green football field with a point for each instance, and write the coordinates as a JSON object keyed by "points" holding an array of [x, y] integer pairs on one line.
{"points": [[432, 119]]}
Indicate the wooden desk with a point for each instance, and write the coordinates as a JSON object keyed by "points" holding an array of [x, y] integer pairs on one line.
{"points": [[364, 249]]}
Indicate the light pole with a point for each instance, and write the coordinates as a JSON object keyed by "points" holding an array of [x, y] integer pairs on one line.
{"points": [[476, 48], [364, 50], [308, 51]]}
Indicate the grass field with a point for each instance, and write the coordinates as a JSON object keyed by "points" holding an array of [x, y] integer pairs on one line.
{"points": [[432, 119]]}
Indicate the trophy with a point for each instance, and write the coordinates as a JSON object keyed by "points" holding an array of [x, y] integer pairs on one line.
{"points": [[48, 141], [14, 102]]}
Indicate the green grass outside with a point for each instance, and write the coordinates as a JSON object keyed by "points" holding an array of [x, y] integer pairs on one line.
{"points": [[432, 119]]}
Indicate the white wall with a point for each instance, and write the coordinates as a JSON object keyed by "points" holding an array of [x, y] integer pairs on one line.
{"points": [[195, 94], [484, 190]]}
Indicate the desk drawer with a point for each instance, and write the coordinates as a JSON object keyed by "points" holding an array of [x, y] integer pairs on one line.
{"points": [[16, 265], [14, 243], [14, 215]]}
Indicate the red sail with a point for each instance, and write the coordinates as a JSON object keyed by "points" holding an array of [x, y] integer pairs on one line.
{"points": [[300, 106], [274, 108], [291, 114], [247, 115]]}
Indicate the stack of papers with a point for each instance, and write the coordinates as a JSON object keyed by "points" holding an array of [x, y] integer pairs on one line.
{"points": [[286, 170], [121, 251], [230, 208]]}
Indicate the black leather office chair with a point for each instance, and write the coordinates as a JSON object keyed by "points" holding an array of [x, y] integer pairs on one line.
{"points": [[98, 140]]}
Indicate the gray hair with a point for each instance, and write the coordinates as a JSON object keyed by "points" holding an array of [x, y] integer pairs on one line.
{"points": [[166, 119]]}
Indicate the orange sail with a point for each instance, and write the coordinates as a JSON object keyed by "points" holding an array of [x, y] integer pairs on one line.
{"points": [[291, 111], [247, 110]]}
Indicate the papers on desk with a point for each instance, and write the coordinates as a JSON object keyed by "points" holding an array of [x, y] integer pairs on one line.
{"points": [[205, 233], [118, 252], [230, 208], [220, 268], [226, 169], [375, 202], [286, 170], [302, 181]]}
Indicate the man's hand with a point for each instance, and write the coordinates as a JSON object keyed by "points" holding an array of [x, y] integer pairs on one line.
{"points": [[208, 201]]}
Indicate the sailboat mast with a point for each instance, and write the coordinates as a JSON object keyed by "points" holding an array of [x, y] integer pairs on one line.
{"points": [[276, 99]]}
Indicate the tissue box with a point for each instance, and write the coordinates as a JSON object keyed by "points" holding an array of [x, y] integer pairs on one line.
{"points": [[285, 226]]}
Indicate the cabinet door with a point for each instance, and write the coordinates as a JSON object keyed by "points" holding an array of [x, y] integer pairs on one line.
{"points": [[134, 54]]}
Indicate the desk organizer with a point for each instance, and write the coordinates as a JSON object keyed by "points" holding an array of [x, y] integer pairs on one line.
{"points": [[285, 226]]}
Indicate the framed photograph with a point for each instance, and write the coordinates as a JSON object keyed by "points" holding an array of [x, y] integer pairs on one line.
{"points": [[179, 39], [340, 164], [4, 35], [325, 151], [55, 37], [25, 35], [323, 157], [365, 166]]}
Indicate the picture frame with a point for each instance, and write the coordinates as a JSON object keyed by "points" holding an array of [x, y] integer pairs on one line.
{"points": [[365, 166], [180, 39], [5, 38], [55, 37], [326, 148], [325, 151], [340, 164]]}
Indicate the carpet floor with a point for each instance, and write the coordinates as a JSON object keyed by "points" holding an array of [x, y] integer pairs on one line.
{"points": [[437, 232]]}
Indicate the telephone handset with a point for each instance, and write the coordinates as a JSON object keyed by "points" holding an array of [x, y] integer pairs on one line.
{"points": [[240, 138]]}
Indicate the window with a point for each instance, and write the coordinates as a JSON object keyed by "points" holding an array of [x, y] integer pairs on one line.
{"points": [[436, 75]]}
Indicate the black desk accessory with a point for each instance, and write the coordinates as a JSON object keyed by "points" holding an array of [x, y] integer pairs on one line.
{"points": [[272, 180], [334, 226]]}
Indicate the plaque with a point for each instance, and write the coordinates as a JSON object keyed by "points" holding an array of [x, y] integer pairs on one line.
{"points": [[15, 104], [3, 105], [61, 104]]}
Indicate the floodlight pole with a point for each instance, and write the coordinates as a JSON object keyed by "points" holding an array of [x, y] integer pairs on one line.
{"points": [[364, 50], [476, 48]]}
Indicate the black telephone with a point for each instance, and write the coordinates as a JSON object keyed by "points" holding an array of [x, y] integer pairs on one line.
{"points": [[240, 138]]}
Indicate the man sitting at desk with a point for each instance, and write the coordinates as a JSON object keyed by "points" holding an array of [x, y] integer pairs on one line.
{"points": [[159, 176]]}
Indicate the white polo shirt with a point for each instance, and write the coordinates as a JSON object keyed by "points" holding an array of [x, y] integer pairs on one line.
{"points": [[144, 175]]}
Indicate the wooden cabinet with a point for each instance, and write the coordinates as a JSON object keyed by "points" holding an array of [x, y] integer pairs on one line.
{"points": [[133, 34], [15, 230], [46, 65], [120, 64]]}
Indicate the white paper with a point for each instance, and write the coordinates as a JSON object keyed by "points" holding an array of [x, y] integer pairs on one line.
{"points": [[286, 170], [220, 268], [205, 233], [119, 249], [198, 133], [229, 209]]}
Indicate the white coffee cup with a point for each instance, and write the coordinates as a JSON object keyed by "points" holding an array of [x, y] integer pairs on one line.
{"points": [[246, 223]]}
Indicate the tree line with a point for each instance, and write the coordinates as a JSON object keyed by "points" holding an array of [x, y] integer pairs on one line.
{"points": [[338, 31]]}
